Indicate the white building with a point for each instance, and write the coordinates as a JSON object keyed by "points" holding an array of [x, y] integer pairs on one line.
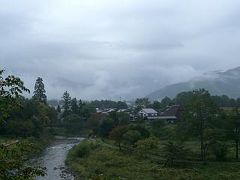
{"points": [[148, 113]]}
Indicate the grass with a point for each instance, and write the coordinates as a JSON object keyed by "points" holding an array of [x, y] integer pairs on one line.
{"points": [[105, 162]]}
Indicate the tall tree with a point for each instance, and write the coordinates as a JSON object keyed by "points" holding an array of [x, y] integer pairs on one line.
{"points": [[74, 106], [58, 109], [39, 91], [10, 89], [66, 103], [200, 112], [142, 102], [234, 129], [117, 134], [166, 101]]}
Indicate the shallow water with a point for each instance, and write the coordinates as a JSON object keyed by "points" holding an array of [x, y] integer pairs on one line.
{"points": [[53, 159]]}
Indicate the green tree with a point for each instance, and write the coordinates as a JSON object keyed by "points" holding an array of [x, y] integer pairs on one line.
{"points": [[183, 98], [131, 137], [200, 112], [123, 118], [121, 105], [39, 91], [11, 88], [58, 109], [142, 103], [74, 106], [166, 101], [156, 105], [147, 146], [106, 126], [173, 152], [66, 103], [93, 123], [234, 129], [12, 164], [73, 123], [117, 134]]}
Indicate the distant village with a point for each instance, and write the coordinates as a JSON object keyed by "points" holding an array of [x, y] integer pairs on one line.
{"points": [[169, 115]]}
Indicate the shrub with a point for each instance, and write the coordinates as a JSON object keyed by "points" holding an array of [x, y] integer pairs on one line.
{"points": [[220, 151], [146, 146], [117, 134], [83, 149], [174, 152], [131, 136]]}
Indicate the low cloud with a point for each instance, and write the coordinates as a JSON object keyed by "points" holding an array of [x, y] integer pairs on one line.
{"points": [[111, 49]]}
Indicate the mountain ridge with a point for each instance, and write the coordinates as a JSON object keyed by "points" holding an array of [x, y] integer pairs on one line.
{"points": [[217, 83]]}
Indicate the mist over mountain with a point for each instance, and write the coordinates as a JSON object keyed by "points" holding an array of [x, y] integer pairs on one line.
{"points": [[217, 83]]}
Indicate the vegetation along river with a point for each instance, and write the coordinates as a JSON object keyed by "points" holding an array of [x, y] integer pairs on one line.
{"points": [[53, 159]]}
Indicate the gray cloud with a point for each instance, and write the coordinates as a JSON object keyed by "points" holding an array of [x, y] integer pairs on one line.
{"points": [[110, 49]]}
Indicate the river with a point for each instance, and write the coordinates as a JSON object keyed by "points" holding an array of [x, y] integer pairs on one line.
{"points": [[53, 158]]}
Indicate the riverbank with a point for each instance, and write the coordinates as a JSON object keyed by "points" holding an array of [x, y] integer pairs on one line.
{"points": [[29, 147], [53, 159], [16, 153], [96, 160]]}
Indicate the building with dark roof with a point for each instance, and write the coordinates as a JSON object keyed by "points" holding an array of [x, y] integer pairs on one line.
{"points": [[171, 114]]}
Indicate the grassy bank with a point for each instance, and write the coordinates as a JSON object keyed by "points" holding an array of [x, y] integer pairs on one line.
{"points": [[27, 147], [95, 160], [14, 153]]}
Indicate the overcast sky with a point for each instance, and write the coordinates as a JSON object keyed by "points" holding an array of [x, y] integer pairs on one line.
{"points": [[108, 49]]}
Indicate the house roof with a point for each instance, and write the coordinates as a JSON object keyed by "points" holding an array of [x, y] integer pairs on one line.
{"points": [[167, 117], [149, 111], [171, 111]]}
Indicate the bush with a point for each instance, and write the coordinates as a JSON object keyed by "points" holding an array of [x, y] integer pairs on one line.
{"points": [[117, 134], [131, 137], [173, 153], [220, 151], [146, 146], [83, 149], [141, 129], [106, 127]]}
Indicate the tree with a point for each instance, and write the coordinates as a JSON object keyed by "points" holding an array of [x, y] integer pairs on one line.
{"points": [[58, 109], [173, 152], [234, 129], [121, 105], [39, 91], [73, 123], [117, 134], [131, 137], [66, 103], [146, 146], [200, 112], [156, 105], [11, 88], [166, 101], [93, 123], [220, 150], [86, 109], [183, 98], [74, 106], [106, 126], [13, 164], [141, 129], [122, 118], [142, 103]]}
